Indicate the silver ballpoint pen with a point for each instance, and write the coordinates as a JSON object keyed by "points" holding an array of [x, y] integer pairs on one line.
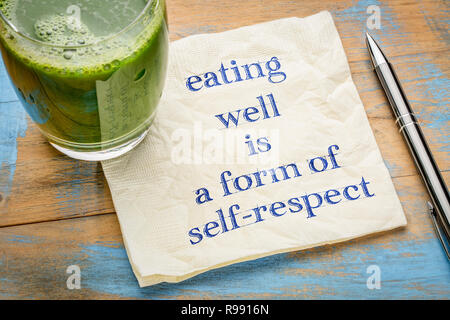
{"points": [[440, 207]]}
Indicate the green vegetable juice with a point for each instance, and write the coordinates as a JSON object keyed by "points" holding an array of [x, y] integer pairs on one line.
{"points": [[89, 72]]}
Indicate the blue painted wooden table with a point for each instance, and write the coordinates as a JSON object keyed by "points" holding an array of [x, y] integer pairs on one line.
{"points": [[56, 212]]}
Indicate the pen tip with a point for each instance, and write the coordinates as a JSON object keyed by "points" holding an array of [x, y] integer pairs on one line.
{"points": [[369, 40], [376, 54]]}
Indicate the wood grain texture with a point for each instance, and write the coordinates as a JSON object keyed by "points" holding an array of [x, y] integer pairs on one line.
{"points": [[56, 211], [34, 259]]}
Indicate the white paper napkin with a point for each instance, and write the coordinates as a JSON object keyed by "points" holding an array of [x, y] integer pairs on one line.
{"points": [[260, 145]]}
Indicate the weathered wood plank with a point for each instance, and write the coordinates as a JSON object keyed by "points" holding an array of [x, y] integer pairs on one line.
{"points": [[405, 27], [34, 259], [38, 184], [7, 93]]}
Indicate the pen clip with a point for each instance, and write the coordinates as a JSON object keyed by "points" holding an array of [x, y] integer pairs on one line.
{"points": [[438, 229]]}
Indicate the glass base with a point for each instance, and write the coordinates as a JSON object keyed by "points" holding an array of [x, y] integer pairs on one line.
{"points": [[104, 154]]}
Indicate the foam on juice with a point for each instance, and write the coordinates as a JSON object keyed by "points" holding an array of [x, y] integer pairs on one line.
{"points": [[77, 46]]}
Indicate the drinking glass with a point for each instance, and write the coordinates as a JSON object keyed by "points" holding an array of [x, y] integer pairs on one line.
{"points": [[89, 73]]}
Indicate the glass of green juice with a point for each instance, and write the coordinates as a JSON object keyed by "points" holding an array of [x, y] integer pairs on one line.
{"points": [[89, 73]]}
